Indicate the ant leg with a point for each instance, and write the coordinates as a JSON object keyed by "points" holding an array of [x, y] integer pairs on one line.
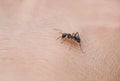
{"points": [[73, 34], [81, 48], [71, 46], [76, 34], [72, 38], [59, 37]]}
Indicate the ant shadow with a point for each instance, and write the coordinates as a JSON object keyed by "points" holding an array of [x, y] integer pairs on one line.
{"points": [[73, 45]]}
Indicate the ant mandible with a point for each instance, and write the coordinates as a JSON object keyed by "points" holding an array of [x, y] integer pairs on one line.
{"points": [[73, 36]]}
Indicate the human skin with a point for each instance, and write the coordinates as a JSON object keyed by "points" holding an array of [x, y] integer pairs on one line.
{"points": [[29, 50]]}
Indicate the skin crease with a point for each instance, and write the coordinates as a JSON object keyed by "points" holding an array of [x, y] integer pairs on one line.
{"points": [[29, 50]]}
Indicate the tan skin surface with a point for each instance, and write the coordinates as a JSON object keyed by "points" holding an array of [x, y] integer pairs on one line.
{"points": [[29, 50]]}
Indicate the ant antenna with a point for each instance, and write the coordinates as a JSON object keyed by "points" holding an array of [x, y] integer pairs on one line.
{"points": [[60, 31]]}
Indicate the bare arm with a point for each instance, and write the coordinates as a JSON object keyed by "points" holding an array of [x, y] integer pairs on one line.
{"points": [[29, 49]]}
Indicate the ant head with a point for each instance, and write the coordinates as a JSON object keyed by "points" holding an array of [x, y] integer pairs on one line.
{"points": [[64, 35]]}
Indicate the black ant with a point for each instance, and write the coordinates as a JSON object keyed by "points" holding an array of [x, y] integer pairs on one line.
{"points": [[73, 36]]}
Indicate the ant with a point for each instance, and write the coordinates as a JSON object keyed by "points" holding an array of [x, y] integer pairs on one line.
{"points": [[73, 36]]}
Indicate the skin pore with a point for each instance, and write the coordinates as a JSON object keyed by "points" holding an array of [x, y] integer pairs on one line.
{"points": [[29, 50]]}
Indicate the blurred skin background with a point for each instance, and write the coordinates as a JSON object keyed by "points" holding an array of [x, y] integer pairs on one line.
{"points": [[29, 50]]}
